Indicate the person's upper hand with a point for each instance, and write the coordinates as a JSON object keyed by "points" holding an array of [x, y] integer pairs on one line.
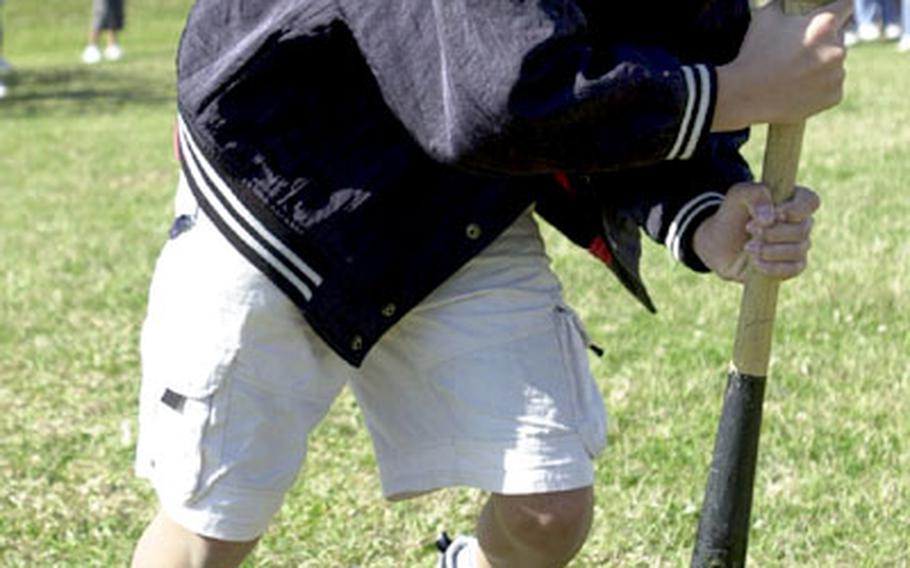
{"points": [[788, 68], [749, 228]]}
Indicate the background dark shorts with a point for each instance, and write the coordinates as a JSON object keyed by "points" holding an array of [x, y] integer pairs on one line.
{"points": [[107, 14]]}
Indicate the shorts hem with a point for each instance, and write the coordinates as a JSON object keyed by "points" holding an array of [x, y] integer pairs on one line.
{"points": [[408, 486], [457, 466], [222, 517]]}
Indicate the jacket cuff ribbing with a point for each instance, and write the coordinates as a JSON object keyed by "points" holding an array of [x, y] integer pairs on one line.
{"points": [[682, 229], [701, 89]]}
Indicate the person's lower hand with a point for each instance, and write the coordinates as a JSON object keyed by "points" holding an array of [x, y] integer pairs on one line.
{"points": [[749, 228]]}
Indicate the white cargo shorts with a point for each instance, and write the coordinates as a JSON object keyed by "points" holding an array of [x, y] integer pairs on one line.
{"points": [[485, 384]]}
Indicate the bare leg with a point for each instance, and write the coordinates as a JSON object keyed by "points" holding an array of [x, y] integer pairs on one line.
{"points": [[534, 531], [165, 544]]}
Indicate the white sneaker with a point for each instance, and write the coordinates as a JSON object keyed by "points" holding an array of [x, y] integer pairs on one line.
{"points": [[869, 32], [892, 31], [904, 45], [5, 67], [113, 52], [91, 55], [3, 90], [450, 551], [850, 38]]}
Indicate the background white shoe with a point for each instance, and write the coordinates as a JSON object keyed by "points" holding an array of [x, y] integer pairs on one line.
{"points": [[892, 31], [869, 32], [113, 52], [91, 55], [904, 45], [850, 38], [3, 90]]}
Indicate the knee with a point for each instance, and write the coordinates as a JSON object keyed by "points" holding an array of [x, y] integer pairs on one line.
{"points": [[165, 543], [555, 524]]}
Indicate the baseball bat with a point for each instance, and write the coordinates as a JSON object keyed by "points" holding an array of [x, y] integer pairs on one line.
{"points": [[723, 528]]}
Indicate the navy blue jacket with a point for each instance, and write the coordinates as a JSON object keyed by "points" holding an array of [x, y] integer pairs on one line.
{"points": [[359, 152]]}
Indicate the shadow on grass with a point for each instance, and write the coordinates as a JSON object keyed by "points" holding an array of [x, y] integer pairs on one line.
{"points": [[72, 90]]}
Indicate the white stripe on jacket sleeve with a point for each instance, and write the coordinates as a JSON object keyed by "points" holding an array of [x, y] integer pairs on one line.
{"points": [[698, 101], [704, 81], [680, 224]]}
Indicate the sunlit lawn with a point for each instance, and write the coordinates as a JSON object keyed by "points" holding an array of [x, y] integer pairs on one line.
{"points": [[86, 178]]}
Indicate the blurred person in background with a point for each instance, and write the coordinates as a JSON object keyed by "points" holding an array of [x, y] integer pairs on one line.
{"points": [[904, 44], [107, 17], [875, 20], [5, 67]]}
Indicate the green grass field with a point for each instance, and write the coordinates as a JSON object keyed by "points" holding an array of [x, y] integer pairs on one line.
{"points": [[86, 179]]}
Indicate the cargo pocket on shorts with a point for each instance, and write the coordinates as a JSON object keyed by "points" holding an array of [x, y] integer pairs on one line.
{"points": [[189, 342], [591, 416], [181, 439], [184, 459]]}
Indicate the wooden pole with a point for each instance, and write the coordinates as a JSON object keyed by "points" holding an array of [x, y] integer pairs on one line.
{"points": [[723, 529]]}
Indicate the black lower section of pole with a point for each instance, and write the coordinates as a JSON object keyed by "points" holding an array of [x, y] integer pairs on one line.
{"points": [[723, 528]]}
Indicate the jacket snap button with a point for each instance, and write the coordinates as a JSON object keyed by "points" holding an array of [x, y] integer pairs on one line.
{"points": [[357, 343], [389, 310], [473, 231]]}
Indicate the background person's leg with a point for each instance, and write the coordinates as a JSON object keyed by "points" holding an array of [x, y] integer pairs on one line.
{"points": [[4, 65], [112, 50], [904, 44], [865, 13], [113, 23], [891, 19], [92, 53]]}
